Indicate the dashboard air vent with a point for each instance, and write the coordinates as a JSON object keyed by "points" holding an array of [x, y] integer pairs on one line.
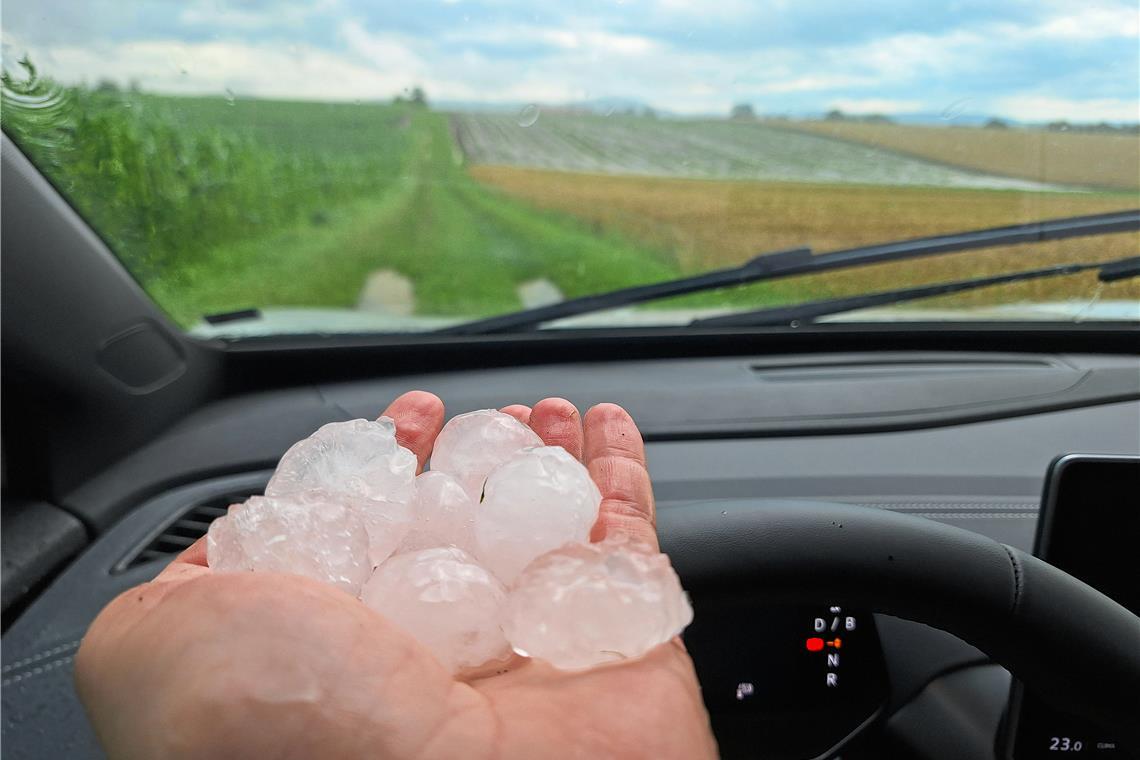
{"points": [[190, 525]]}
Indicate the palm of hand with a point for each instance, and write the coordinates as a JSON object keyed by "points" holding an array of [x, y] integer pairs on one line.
{"points": [[259, 665]]}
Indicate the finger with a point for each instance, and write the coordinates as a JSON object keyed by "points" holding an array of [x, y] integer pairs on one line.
{"points": [[558, 423], [419, 417], [615, 456], [195, 554], [520, 412]]}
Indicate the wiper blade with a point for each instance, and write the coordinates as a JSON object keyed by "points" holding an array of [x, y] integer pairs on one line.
{"points": [[771, 266], [801, 313]]}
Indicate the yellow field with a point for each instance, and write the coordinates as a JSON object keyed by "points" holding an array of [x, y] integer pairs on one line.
{"points": [[705, 224], [1101, 160]]}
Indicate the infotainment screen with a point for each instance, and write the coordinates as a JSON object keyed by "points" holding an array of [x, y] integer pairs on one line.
{"points": [[1090, 528]]}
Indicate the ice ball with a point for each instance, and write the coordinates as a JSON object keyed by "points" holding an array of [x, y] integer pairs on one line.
{"points": [[358, 458], [309, 534], [472, 444], [442, 514], [536, 501], [445, 600], [586, 604]]}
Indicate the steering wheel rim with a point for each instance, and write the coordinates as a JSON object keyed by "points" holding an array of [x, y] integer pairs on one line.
{"points": [[1065, 640]]}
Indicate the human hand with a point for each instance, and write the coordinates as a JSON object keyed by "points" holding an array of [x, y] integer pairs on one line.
{"points": [[199, 664]]}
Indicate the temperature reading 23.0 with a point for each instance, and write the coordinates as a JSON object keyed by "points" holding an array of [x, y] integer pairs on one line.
{"points": [[1065, 744]]}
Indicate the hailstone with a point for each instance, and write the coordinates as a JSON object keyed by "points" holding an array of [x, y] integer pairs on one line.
{"points": [[444, 599], [471, 445], [586, 604], [357, 458], [536, 501], [310, 534]]}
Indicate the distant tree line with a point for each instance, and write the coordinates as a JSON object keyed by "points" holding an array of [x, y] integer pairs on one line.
{"points": [[1099, 128], [872, 118], [416, 96]]}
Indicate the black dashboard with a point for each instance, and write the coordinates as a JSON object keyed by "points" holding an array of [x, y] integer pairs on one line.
{"points": [[962, 439]]}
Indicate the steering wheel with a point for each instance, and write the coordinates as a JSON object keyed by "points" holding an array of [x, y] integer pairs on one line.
{"points": [[1065, 640]]}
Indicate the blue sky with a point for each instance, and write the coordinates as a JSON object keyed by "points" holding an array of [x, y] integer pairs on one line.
{"points": [[1033, 61]]}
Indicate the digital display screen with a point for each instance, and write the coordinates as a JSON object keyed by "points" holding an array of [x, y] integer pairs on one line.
{"points": [[785, 682], [1090, 528]]}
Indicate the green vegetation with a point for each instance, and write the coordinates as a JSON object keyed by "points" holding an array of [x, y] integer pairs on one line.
{"points": [[464, 247], [217, 204], [165, 179]]}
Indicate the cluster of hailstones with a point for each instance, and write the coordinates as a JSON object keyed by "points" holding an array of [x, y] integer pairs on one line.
{"points": [[485, 552]]}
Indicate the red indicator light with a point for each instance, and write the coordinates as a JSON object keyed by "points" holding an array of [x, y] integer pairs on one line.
{"points": [[814, 644]]}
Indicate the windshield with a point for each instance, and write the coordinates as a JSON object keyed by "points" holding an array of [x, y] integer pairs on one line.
{"points": [[324, 166]]}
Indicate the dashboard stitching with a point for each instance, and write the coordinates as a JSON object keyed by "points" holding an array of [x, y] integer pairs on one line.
{"points": [[1014, 506], [972, 515], [40, 656], [39, 670], [1016, 578]]}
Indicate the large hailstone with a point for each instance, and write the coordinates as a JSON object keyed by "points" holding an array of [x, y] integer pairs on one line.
{"points": [[310, 534], [358, 458], [443, 514], [387, 524], [586, 604], [471, 445], [445, 600], [538, 500]]}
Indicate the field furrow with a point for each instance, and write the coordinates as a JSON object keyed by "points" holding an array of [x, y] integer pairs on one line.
{"points": [[702, 149]]}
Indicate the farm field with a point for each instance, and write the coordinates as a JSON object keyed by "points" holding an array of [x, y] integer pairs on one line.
{"points": [[1099, 160], [464, 248], [217, 204], [708, 149], [223, 204], [709, 224]]}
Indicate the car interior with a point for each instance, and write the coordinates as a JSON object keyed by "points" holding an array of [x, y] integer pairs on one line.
{"points": [[900, 540]]}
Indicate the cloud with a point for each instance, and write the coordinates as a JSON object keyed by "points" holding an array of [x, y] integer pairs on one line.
{"points": [[682, 56], [556, 37], [877, 105], [302, 72], [1091, 23], [1049, 108]]}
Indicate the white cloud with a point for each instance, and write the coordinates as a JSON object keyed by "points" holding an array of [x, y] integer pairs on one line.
{"points": [[1092, 22], [564, 38], [385, 52], [302, 72], [877, 105], [815, 82], [217, 14], [1046, 108], [584, 58]]}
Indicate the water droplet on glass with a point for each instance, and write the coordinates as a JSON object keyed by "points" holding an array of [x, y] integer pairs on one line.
{"points": [[724, 513], [794, 324], [127, 104], [230, 97], [1084, 312], [955, 109], [529, 115]]}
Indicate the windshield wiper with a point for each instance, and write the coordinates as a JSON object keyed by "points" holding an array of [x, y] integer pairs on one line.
{"points": [[771, 266], [1109, 271]]}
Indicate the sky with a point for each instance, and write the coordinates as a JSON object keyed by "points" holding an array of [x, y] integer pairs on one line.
{"points": [[1030, 60]]}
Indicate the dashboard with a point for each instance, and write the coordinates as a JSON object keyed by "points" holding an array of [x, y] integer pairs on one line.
{"points": [[960, 439]]}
